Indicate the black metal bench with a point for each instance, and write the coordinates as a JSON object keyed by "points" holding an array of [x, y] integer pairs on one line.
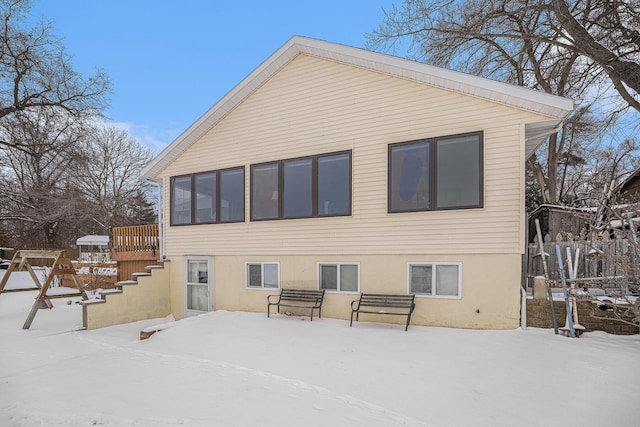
{"points": [[298, 298], [396, 305]]}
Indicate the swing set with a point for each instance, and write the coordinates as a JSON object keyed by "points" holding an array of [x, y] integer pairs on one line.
{"points": [[61, 267]]}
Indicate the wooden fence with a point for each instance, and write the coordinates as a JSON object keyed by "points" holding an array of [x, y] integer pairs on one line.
{"points": [[602, 258]]}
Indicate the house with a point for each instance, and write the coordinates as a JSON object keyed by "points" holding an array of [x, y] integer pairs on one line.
{"points": [[337, 168], [629, 189]]}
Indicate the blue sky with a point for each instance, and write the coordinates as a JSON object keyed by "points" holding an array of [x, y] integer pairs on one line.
{"points": [[170, 61]]}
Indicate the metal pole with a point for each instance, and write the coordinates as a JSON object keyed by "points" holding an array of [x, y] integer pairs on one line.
{"points": [[546, 276], [572, 332]]}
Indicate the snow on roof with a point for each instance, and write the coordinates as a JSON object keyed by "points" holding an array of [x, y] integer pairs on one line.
{"points": [[92, 239], [555, 107]]}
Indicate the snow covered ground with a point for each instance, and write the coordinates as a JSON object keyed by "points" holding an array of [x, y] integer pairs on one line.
{"points": [[243, 369]]}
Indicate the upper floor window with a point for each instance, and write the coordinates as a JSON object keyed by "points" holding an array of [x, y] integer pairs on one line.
{"points": [[302, 188], [437, 173], [209, 197]]}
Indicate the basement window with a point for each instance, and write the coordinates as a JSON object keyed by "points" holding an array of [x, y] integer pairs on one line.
{"points": [[435, 279]]}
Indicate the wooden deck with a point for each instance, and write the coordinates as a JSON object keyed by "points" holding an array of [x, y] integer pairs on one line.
{"points": [[135, 247]]}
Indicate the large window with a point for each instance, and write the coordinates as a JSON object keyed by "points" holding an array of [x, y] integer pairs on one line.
{"points": [[210, 197], [264, 191], [334, 184], [341, 277], [435, 279], [232, 195], [205, 192], [302, 188], [262, 275], [181, 200], [437, 173]]}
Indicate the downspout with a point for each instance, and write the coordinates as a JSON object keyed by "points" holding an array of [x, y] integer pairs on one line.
{"points": [[159, 187], [523, 279], [524, 274], [523, 309]]}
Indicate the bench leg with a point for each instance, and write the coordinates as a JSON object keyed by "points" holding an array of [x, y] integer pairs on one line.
{"points": [[408, 320], [351, 322], [311, 318], [268, 310]]}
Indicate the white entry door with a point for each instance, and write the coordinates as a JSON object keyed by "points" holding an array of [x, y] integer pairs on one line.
{"points": [[198, 285]]}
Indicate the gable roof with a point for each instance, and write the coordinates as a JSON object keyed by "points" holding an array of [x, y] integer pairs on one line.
{"points": [[631, 183], [516, 96]]}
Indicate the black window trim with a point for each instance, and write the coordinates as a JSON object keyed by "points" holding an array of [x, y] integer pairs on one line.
{"points": [[433, 161], [314, 185], [218, 220]]}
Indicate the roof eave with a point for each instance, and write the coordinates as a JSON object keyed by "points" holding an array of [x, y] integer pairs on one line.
{"points": [[553, 106]]}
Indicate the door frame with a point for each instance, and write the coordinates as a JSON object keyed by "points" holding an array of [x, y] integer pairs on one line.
{"points": [[209, 260]]}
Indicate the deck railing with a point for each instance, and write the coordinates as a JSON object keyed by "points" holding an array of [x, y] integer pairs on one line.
{"points": [[136, 238]]}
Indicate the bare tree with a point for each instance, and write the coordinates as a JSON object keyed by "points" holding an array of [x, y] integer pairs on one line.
{"points": [[62, 174], [36, 72], [610, 166], [516, 41], [40, 204], [615, 243], [607, 32], [65, 177], [108, 174]]}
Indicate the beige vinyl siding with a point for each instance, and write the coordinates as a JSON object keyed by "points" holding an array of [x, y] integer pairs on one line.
{"points": [[315, 106]]}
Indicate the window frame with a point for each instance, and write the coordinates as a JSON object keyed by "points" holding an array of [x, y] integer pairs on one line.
{"points": [[282, 187], [261, 264], [338, 285], [275, 193], [194, 197], [314, 186], [433, 281], [172, 189], [218, 194], [433, 172], [208, 284]]}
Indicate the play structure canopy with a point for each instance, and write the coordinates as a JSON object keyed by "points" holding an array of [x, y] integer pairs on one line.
{"points": [[93, 240]]}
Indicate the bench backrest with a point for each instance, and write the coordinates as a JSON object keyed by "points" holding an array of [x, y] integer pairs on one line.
{"points": [[301, 295], [382, 300]]}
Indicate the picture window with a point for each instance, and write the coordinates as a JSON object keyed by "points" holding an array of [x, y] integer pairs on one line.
{"points": [[434, 174]]}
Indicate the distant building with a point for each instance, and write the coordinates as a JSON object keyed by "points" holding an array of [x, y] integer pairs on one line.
{"points": [[556, 219], [630, 188]]}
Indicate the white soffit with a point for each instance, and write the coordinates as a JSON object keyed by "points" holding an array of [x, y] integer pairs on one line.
{"points": [[516, 96], [536, 133]]}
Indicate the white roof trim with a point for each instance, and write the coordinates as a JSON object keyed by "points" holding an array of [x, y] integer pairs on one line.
{"points": [[516, 96]]}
